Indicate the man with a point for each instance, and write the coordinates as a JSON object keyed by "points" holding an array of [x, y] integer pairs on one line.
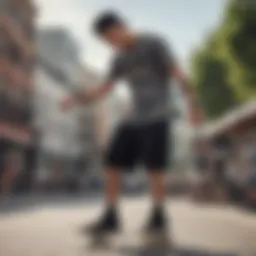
{"points": [[145, 62]]}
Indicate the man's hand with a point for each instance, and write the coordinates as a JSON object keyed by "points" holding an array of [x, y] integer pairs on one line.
{"points": [[195, 113], [79, 98], [86, 97]]}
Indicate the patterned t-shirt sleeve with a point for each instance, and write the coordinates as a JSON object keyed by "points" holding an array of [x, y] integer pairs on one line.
{"points": [[115, 70], [164, 52]]}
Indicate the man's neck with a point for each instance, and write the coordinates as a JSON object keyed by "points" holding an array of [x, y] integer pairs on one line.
{"points": [[131, 40]]}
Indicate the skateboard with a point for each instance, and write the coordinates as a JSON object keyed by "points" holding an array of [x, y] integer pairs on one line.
{"points": [[103, 241], [157, 243], [157, 240]]}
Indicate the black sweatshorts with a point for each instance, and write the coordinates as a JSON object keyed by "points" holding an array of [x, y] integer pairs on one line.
{"points": [[147, 144]]}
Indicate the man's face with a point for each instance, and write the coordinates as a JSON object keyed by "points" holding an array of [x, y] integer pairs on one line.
{"points": [[115, 36]]}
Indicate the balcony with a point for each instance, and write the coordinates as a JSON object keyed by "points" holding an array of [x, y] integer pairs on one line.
{"points": [[17, 19], [23, 13], [16, 36], [15, 97], [15, 133], [15, 108], [18, 76], [5, 67]]}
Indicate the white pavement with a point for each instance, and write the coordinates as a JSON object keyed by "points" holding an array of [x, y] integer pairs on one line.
{"points": [[53, 231]]}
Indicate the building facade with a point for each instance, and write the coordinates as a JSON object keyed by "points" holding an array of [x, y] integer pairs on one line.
{"points": [[17, 59], [58, 47]]}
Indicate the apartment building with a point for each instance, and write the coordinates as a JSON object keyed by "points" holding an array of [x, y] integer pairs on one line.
{"points": [[17, 59]]}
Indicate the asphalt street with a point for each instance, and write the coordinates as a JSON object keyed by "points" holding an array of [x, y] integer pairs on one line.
{"points": [[51, 228]]}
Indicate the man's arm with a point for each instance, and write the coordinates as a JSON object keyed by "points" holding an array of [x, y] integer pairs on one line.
{"points": [[96, 94], [186, 88], [168, 60], [114, 74], [189, 93], [87, 97]]}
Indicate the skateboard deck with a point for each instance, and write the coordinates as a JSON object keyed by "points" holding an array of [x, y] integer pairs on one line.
{"points": [[157, 240], [103, 241], [131, 243]]}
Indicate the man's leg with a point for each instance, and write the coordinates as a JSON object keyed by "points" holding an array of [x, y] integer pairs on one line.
{"points": [[155, 156], [112, 185], [121, 154], [109, 221], [158, 220], [158, 186]]}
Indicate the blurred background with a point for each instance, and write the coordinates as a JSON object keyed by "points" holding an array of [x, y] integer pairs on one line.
{"points": [[47, 51]]}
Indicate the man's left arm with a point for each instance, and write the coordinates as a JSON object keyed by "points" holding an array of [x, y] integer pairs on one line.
{"points": [[188, 90], [168, 60]]}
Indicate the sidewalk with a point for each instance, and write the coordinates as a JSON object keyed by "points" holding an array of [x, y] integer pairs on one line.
{"points": [[53, 229]]}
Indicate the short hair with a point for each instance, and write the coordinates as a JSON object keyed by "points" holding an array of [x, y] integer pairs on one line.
{"points": [[107, 20]]}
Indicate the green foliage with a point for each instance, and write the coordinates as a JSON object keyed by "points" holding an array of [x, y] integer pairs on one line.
{"points": [[214, 90], [240, 40], [224, 68]]}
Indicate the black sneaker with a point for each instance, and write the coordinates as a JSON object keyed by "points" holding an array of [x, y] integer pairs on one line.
{"points": [[156, 233], [107, 224], [157, 222]]}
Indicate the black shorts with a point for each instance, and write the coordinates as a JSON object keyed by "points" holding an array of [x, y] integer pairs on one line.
{"points": [[140, 144]]}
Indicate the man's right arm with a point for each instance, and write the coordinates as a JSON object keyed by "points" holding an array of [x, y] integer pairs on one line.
{"points": [[115, 73], [96, 94], [87, 97]]}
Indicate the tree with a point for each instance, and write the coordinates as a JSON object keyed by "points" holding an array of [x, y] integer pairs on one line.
{"points": [[239, 40], [214, 91], [224, 68]]}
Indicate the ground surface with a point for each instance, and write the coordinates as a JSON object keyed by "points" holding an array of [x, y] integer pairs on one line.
{"points": [[28, 228]]}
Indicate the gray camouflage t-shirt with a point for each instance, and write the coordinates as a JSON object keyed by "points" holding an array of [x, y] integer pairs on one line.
{"points": [[146, 68]]}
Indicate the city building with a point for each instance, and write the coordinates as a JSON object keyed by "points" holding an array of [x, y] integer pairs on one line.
{"points": [[17, 59], [58, 47]]}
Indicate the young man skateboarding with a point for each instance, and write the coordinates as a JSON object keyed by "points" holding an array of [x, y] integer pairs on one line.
{"points": [[146, 63]]}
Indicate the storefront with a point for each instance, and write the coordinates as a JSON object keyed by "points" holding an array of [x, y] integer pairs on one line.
{"points": [[234, 136], [236, 130]]}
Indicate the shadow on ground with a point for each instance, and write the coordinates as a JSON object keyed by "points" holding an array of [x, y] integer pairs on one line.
{"points": [[149, 251], [169, 252], [108, 246]]}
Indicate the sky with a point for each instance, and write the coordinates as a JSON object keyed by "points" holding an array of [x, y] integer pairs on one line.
{"points": [[184, 23]]}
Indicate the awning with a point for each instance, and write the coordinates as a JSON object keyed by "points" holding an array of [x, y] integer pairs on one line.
{"points": [[229, 120]]}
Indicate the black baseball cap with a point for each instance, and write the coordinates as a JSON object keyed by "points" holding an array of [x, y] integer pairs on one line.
{"points": [[107, 20]]}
